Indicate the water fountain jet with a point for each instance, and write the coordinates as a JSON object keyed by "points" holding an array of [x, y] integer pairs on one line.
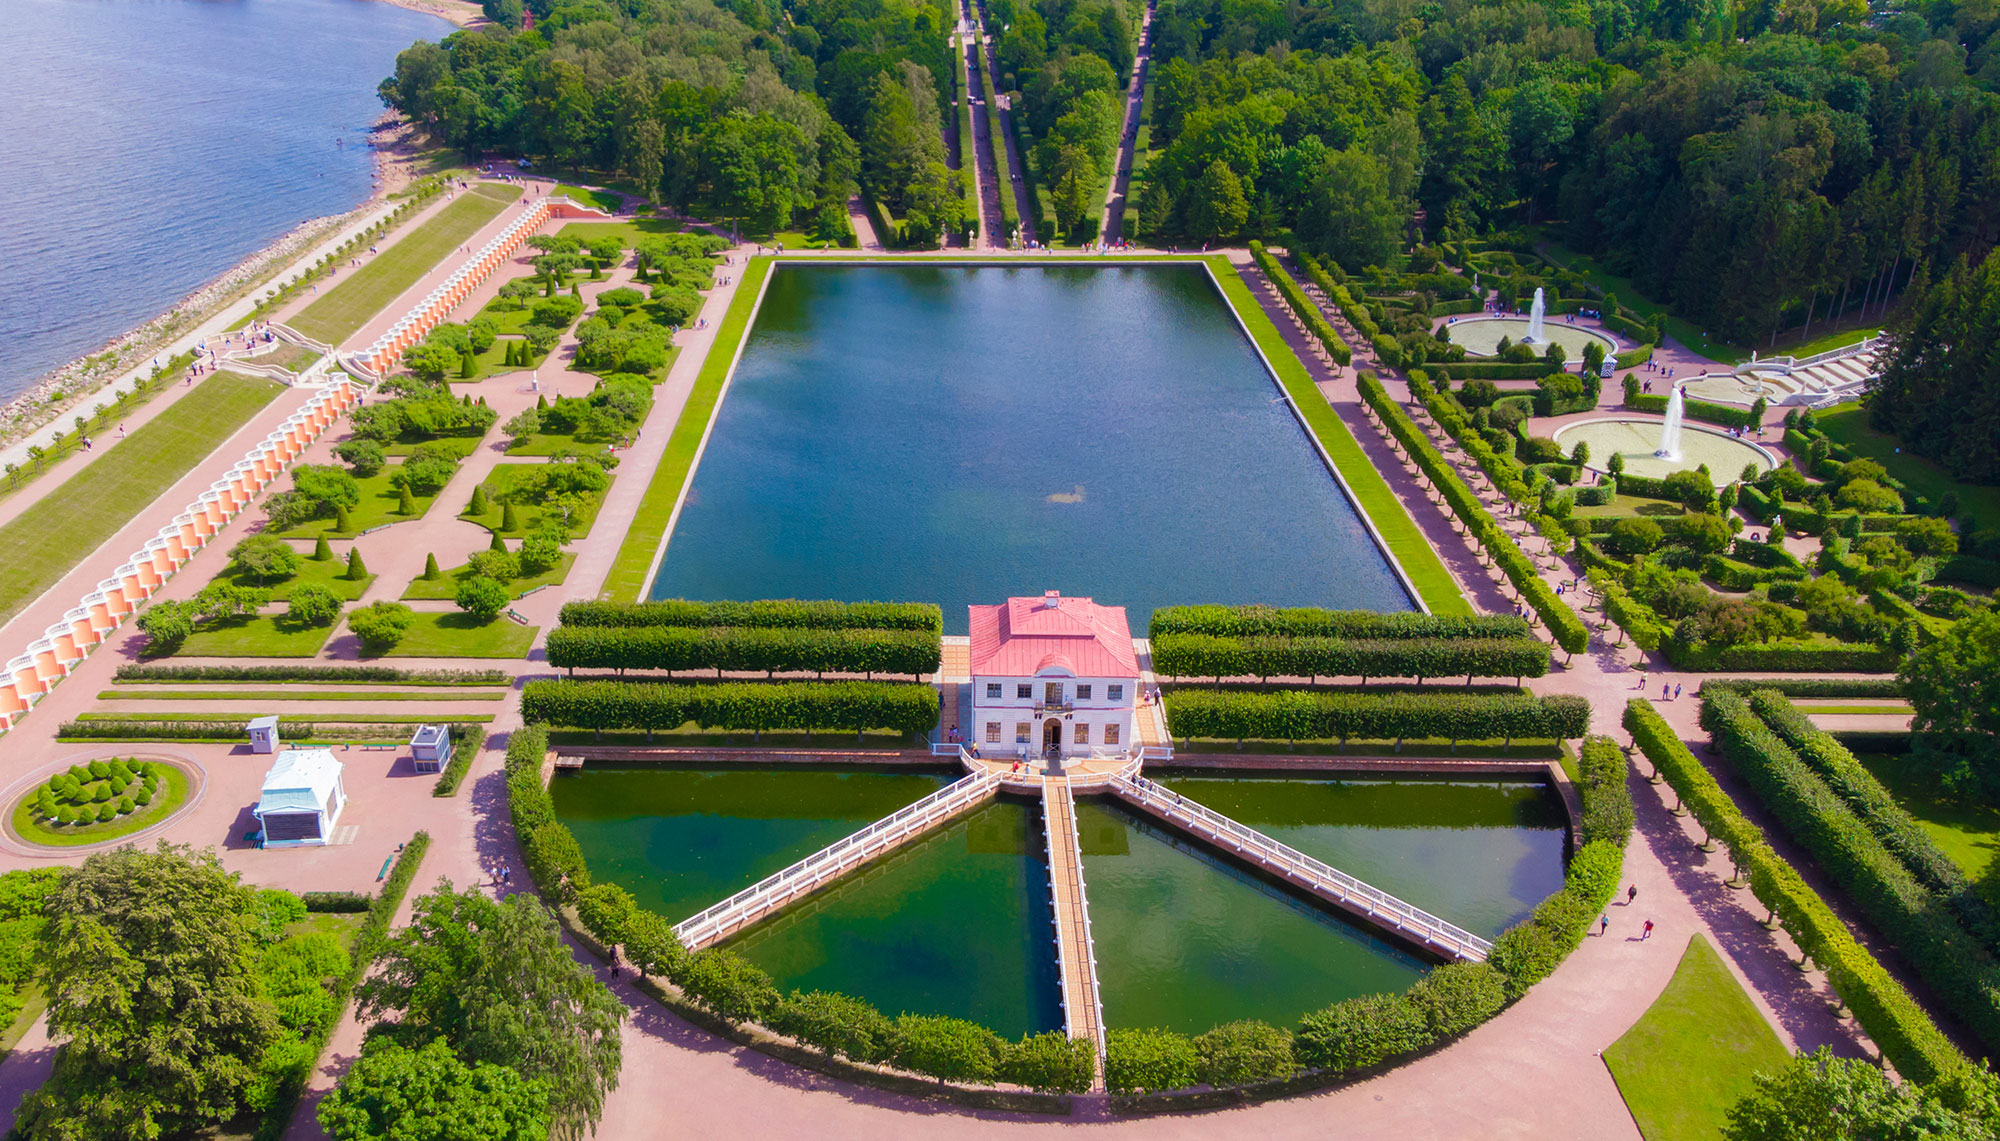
{"points": [[1670, 432], [1535, 314]]}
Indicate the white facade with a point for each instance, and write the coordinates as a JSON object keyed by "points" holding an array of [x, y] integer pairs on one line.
{"points": [[1025, 715]]}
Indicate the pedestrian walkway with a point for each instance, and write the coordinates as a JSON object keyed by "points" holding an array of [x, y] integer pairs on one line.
{"points": [[1076, 950]]}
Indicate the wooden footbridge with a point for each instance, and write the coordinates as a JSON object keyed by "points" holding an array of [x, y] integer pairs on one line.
{"points": [[835, 860], [1076, 951], [1370, 904]]}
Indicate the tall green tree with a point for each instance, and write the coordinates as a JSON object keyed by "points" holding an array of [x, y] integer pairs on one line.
{"points": [[428, 1094], [1216, 207], [494, 981], [1953, 683], [154, 999]]}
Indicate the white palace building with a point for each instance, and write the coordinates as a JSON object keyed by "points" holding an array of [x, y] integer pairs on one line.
{"points": [[1052, 674]]}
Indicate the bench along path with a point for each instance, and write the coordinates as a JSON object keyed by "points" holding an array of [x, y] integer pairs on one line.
{"points": [[1370, 904], [834, 861], [1076, 951]]}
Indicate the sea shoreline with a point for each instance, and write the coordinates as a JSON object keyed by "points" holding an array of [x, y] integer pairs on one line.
{"points": [[396, 153], [463, 13]]}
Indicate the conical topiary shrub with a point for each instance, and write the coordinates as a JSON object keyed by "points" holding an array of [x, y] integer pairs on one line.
{"points": [[322, 550], [498, 544], [356, 569], [509, 519], [478, 506], [431, 571], [406, 504], [341, 522]]}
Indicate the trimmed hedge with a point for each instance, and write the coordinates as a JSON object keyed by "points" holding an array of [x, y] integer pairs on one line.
{"points": [[1607, 803], [335, 901], [1311, 715], [781, 613], [381, 674], [1727, 415], [466, 741], [1915, 920], [1356, 314], [1310, 621], [1494, 370], [1906, 1035], [1898, 831], [790, 649], [138, 730], [1207, 655], [849, 705], [1633, 358], [1812, 686], [1828, 657], [1569, 631], [1301, 306]]}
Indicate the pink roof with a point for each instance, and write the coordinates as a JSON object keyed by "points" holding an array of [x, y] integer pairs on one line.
{"points": [[1027, 635]]}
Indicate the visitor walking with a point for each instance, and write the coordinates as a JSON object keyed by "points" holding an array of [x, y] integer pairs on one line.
{"points": [[1647, 932], [1631, 893], [1677, 691], [1603, 925]]}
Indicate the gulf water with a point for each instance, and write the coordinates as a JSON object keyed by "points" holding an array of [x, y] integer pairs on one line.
{"points": [[150, 145]]}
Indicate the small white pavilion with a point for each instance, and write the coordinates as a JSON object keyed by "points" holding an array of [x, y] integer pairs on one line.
{"points": [[1052, 675], [302, 799]]}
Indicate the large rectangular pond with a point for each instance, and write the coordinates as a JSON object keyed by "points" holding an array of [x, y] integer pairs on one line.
{"points": [[960, 434]]}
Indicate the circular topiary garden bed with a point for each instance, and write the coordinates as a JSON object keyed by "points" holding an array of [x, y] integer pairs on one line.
{"points": [[100, 800]]}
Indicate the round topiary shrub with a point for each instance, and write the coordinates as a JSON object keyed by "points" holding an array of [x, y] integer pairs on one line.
{"points": [[145, 796], [99, 770], [101, 792], [120, 775], [107, 812], [126, 805]]}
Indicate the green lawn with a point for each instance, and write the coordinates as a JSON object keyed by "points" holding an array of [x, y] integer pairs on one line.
{"points": [[342, 925], [342, 310], [455, 634], [626, 232], [1891, 708], [1825, 344], [1399, 532], [529, 516], [34, 1000], [298, 358], [173, 793], [379, 503], [492, 362], [256, 636], [331, 574], [1968, 833], [627, 578], [604, 200], [1692, 1054], [459, 446], [41, 544], [555, 444], [447, 586], [1848, 424]]}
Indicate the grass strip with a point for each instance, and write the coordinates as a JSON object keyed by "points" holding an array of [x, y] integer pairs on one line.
{"points": [[342, 310], [1399, 532], [627, 577], [1847, 425], [44, 542], [455, 634], [1693, 1053], [330, 718], [289, 695], [1895, 710]]}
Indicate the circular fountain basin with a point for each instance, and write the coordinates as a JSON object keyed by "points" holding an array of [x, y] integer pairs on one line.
{"points": [[1637, 439], [1481, 335]]}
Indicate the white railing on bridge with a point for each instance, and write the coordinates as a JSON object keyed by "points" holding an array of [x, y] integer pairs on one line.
{"points": [[1412, 921], [1083, 908], [833, 861]]}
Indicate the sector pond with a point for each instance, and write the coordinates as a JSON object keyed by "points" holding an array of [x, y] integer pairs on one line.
{"points": [[958, 922]]}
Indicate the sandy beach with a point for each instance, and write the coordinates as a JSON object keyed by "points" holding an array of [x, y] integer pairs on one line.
{"points": [[464, 13]]}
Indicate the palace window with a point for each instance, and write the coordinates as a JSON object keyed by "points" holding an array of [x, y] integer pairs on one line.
{"points": [[1111, 734], [992, 691], [1020, 732], [992, 732], [1083, 693], [1082, 733], [1024, 692], [1114, 692]]}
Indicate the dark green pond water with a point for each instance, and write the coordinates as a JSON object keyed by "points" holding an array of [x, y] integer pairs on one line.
{"points": [[963, 434], [957, 924], [1480, 854], [681, 839], [1187, 941]]}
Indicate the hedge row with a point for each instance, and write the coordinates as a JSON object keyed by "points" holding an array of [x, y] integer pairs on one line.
{"points": [[1812, 686], [1301, 306], [850, 705], [790, 649], [1311, 715], [1915, 920], [1906, 1035], [165, 730], [1357, 315], [1494, 370], [779, 613], [1311, 621], [1808, 657], [1633, 358], [1569, 631], [1898, 831], [1600, 786], [466, 741], [380, 674], [1207, 655]]}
